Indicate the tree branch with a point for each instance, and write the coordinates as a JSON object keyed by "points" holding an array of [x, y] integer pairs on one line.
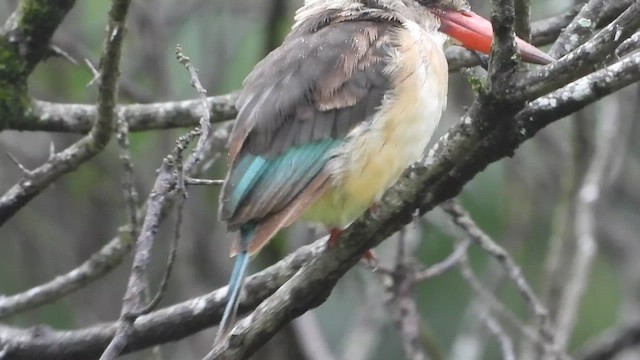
{"points": [[99, 264], [585, 221], [582, 60], [170, 179], [30, 28], [579, 30], [24, 41], [611, 343], [68, 160], [169, 324], [79, 118]]}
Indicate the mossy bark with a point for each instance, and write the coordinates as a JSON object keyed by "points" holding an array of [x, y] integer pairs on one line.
{"points": [[24, 42], [13, 84]]}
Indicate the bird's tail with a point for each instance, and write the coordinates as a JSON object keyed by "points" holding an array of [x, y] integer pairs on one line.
{"points": [[235, 284]]}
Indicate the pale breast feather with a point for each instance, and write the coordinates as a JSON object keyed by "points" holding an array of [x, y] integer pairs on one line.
{"points": [[378, 153]]}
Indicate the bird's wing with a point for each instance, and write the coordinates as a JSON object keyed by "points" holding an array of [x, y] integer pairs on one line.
{"points": [[298, 104]]}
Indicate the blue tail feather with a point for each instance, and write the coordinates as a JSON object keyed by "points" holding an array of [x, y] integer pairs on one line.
{"points": [[236, 283]]}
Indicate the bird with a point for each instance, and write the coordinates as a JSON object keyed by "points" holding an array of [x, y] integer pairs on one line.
{"points": [[332, 117]]}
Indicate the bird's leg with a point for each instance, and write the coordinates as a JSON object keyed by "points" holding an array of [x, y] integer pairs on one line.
{"points": [[334, 236]]}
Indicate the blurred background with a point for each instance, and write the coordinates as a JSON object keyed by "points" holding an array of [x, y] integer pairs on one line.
{"points": [[521, 202]]}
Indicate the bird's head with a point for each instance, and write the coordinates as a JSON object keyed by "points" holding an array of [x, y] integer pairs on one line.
{"points": [[473, 31], [451, 17]]}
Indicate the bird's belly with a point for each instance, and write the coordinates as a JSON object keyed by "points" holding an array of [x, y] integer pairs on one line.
{"points": [[375, 157]]}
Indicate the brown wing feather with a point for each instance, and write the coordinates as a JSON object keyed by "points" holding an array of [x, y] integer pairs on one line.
{"points": [[316, 72], [319, 84]]}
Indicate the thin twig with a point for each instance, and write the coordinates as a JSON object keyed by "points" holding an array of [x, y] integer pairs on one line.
{"points": [[207, 182], [365, 330], [128, 178], [402, 306], [98, 265], [462, 219], [26, 172], [506, 344], [170, 178], [205, 119], [445, 265], [585, 207], [498, 307], [312, 341]]}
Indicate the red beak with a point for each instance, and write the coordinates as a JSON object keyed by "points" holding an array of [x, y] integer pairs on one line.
{"points": [[476, 33]]}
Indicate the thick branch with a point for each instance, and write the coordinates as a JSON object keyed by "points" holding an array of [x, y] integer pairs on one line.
{"points": [[580, 29], [78, 118]]}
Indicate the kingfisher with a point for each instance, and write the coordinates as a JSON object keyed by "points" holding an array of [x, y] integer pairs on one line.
{"points": [[331, 118]]}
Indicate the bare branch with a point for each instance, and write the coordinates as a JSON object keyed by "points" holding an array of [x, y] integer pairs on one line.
{"points": [[493, 304], [169, 324], [502, 63], [462, 219], [401, 304], [611, 343], [170, 178], [107, 258], [522, 24], [79, 118], [311, 338], [628, 46], [30, 28], [585, 228], [192, 181], [128, 178], [205, 118], [583, 59], [506, 344], [445, 265], [87, 147], [580, 29], [99, 264]]}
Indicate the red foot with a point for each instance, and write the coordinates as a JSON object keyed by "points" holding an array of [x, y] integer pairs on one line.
{"points": [[370, 259], [374, 209], [334, 236]]}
